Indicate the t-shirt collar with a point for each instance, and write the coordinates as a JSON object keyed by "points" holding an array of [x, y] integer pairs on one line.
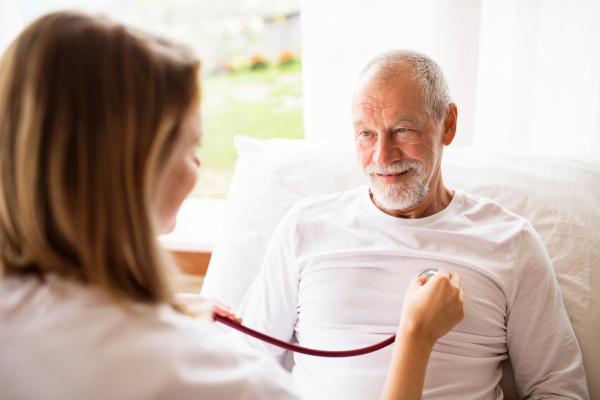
{"points": [[371, 209]]}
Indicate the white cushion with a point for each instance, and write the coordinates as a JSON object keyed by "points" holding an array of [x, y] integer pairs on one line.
{"points": [[270, 177], [559, 195]]}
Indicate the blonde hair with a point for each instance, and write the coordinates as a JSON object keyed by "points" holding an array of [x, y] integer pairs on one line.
{"points": [[89, 112]]}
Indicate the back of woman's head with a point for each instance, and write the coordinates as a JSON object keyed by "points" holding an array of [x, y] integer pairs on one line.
{"points": [[89, 111]]}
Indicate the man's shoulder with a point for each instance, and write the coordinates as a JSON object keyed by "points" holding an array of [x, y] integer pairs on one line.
{"points": [[487, 218], [484, 210]]}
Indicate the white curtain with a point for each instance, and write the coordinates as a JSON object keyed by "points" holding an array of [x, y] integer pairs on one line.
{"points": [[525, 74], [538, 86], [11, 23]]}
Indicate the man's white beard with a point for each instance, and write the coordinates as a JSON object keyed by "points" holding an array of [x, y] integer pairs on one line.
{"points": [[401, 195]]}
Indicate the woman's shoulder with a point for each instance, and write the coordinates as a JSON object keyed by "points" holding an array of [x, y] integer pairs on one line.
{"points": [[76, 337], [196, 357]]}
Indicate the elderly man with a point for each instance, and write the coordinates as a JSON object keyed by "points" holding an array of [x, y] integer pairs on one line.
{"points": [[338, 265]]}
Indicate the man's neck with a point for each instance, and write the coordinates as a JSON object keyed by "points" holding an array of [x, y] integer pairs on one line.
{"points": [[437, 199]]}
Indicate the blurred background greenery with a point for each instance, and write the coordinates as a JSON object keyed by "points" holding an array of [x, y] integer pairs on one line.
{"points": [[261, 103], [251, 52]]}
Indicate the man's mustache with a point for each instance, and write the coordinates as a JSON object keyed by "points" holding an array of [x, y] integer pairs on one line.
{"points": [[395, 168]]}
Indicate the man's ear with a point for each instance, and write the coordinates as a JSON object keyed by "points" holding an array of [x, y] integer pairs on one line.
{"points": [[450, 125]]}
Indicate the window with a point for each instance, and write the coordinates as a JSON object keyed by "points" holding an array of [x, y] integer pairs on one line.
{"points": [[251, 67]]}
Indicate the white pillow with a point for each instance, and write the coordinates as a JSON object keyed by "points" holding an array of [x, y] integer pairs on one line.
{"points": [[559, 195], [270, 177]]}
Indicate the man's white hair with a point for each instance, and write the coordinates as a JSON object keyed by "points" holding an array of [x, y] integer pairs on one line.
{"points": [[434, 88]]}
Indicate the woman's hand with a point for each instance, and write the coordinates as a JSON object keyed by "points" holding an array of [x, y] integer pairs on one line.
{"points": [[224, 310], [432, 309], [205, 306]]}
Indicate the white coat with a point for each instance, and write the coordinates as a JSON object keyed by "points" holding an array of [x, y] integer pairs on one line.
{"points": [[63, 340]]}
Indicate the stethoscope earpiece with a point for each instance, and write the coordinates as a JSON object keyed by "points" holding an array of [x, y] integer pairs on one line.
{"points": [[428, 274]]}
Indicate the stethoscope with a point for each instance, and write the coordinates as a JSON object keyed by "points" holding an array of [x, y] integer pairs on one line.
{"points": [[428, 274]]}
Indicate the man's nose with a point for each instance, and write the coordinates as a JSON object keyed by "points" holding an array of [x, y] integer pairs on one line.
{"points": [[386, 152]]}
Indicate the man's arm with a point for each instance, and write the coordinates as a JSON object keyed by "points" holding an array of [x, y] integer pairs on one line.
{"points": [[542, 345], [270, 306]]}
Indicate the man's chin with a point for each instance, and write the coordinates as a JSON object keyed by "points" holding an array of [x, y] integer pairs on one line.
{"points": [[391, 197]]}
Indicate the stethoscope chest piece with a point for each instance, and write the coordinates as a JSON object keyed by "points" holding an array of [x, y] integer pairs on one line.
{"points": [[428, 274]]}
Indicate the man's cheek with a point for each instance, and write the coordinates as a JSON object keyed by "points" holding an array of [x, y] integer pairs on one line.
{"points": [[364, 157]]}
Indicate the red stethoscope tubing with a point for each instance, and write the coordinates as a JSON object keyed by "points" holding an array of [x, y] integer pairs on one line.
{"points": [[299, 349]]}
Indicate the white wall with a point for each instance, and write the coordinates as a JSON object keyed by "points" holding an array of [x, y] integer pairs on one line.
{"points": [[11, 23], [539, 76], [341, 36]]}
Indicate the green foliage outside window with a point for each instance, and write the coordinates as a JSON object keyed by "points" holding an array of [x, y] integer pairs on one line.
{"points": [[264, 103]]}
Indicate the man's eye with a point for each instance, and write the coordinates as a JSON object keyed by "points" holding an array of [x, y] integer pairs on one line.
{"points": [[402, 130], [365, 133]]}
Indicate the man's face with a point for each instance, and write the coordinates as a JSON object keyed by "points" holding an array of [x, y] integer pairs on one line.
{"points": [[398, 144]]}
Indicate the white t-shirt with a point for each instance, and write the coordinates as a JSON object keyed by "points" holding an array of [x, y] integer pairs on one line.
{"points": [[336, 271], [61, 340]]}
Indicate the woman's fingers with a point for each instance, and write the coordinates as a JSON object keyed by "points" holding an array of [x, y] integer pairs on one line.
{"points": [[219, 304], [224, 312], [203, 305], [434, 308], [418, 281], [218, 310], [443, 272], [456, 280], [215, 306]]}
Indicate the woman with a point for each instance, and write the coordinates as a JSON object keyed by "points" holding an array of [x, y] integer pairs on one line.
{"points": [[98, 126]]}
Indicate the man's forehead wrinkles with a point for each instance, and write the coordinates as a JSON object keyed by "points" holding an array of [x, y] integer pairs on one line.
{"points": [[368, 104], [366, 107], [366, 95]]}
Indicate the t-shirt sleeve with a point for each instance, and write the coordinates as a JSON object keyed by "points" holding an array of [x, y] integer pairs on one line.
{"points": [[270, 306], [542, 346]]}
